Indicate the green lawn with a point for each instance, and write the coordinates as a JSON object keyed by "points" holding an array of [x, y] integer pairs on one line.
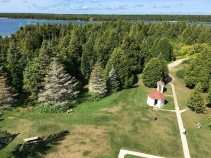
{"points": [[198, 139], [121, 121], [100, 129]]}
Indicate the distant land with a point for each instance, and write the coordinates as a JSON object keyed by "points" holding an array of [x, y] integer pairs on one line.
{"points": [[109, 17]]}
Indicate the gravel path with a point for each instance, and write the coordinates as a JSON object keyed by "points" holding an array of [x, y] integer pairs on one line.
{"points": [[178, 113], [175, 63]]}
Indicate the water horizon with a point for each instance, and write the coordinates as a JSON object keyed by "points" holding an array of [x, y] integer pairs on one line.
{"points": [[9, 26]]}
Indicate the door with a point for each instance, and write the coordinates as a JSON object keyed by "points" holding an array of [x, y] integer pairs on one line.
{"points": [[156, 101]]}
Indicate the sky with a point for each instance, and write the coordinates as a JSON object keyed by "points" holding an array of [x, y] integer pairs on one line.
{"points": [[107, 6]]}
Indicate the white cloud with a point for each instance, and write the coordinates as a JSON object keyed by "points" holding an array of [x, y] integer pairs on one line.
{"points": [[5, 1]]}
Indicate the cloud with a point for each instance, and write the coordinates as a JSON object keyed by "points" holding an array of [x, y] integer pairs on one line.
{"points": [[80, 1], [138, 6], [84, 8], [94, 1], [121, 7], [40, 7], [5, 1], [25, 1], [165, 7]]}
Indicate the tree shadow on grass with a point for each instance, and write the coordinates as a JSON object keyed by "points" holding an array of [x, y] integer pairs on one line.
{"points": [[39, 148], [6, 138], [169, 79], [208, 105]]}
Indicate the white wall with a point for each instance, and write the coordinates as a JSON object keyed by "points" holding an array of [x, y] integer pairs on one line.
{"points": [[160, 103], [150, 101]]}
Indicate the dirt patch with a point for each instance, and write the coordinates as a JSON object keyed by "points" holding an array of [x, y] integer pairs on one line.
{"points": [[114, 109], [144, 119], [84, 141], [23, 126], [209, 110]]}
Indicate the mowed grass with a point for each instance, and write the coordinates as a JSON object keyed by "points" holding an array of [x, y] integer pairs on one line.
{"points": [[198, 139], [100, 129]]}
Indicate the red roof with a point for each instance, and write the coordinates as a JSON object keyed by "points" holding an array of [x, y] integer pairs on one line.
{"points": [[156, 95]]}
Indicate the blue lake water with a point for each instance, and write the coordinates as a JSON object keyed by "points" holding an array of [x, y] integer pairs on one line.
{"points": [[10, 26]]}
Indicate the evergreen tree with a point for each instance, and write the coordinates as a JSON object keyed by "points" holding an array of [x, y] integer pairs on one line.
{"points": [[119, 60], [7, 95], [199, 70], [112, 82], [196, 101], [97, 82], [163, 46], [15, 66], [88, 58], [34, 73], [209, 95], [144, 51], [187, 35], [59, 87], [131, 48], [156, 69]]}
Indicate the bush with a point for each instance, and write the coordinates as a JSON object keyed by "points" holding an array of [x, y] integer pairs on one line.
{"points": [[188, 61], [180, 73], [90, 97], [51, 108]]}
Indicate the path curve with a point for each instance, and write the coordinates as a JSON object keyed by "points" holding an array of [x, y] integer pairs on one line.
{"points": [[175, 63], [178, 113]]}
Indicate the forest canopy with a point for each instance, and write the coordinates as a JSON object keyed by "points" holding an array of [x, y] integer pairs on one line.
{"points": [[124, 46], [109, 17]]}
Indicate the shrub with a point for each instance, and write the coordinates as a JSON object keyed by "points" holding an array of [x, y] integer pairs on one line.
{"points": [[89, 97], [51, 109], [180, 73], [86, 153]]}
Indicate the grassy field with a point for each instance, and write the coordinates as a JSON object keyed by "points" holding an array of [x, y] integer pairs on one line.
{"points": [[100, 129], [198, 139]]}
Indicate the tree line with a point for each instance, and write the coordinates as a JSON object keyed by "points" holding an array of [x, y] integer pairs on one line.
{"points": [[65, 61], [108, 17]]}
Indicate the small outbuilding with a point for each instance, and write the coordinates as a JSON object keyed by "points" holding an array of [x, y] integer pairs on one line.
{"points": [[157, 98]]}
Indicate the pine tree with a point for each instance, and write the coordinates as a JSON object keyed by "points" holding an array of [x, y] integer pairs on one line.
{"points": [[15, 65], [88, 58], [113, 83], [34, 73], [209, 95], [60, 87], [196, 101], [199, 70], [156, 69], [119, 60], [97, 82], [163, 46], [7, 95]]}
